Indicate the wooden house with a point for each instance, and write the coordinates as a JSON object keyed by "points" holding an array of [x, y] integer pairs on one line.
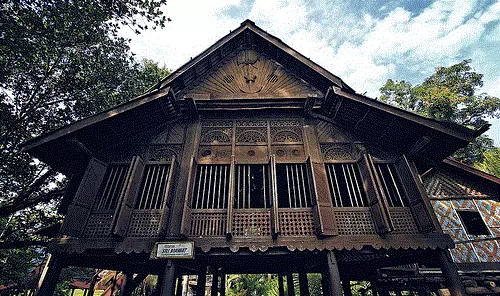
{"points": [[265, 163]]}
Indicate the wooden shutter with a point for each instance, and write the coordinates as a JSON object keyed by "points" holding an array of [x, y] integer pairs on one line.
{"points": [[324, 217], [128, 195], [376, 199], [79, 210], [415, 194], [167, 202], [230, 201], [273, 190], [186, 212]]}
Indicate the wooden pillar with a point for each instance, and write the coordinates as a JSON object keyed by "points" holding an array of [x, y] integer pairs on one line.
{"points": [[303, 284], [178, 290], [127, 284], [289, 284], [50, 275], [215, 283], [281, 287], [168, 281], [223, 284], [450, 274], [346, 287], [201, 284], [332, 282]]}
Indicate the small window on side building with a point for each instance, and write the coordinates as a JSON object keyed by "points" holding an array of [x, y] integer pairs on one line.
{"points": [[473, 222]]}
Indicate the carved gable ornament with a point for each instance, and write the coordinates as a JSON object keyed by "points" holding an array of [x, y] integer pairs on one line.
{"points": [[248, 74]]}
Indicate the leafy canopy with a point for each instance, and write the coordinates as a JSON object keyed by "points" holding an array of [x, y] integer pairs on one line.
{"points": [[60, 61], [450, 94]]}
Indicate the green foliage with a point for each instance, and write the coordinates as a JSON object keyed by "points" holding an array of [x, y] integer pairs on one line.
{"points": [[490, 163], [252, 285], [450, 94]]}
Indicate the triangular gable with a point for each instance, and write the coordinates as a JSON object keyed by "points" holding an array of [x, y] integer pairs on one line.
{"points": [[248, 73]]}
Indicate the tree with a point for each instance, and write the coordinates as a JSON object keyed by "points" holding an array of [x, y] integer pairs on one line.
{"points": [[491, 162], [60, 61], [450, 94]]}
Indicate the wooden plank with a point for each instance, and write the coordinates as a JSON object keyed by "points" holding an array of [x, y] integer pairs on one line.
{"points": [[128, 196], [186, 213], [79, 210], [275, 226], [167, 200], [230, 202]]}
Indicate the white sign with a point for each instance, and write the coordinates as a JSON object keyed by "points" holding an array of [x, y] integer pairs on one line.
{"points": [[175, 250]]}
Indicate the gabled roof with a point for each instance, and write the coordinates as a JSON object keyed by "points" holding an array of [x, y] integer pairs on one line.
{"points": [[333, 100]]}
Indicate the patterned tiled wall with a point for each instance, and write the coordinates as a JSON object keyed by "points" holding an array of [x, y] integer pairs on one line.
{"points": [[448, 194]]}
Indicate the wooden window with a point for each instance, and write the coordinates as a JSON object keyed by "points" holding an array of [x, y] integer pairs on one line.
{"points": [[391, 185], [346, 185], [293, 186], [153, 186], [211, 188], [473, 222], [251, 186], [112, 186]]}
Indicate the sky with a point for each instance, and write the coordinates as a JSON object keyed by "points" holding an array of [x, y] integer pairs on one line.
{"points": [[363, 42]]}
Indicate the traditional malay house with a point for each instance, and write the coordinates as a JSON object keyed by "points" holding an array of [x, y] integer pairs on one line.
{"points": [[251, 158]]}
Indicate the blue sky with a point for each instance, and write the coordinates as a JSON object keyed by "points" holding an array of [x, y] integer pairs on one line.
{"points": [[363, 42]]}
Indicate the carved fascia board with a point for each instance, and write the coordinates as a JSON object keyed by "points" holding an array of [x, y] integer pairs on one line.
{"points": [[249, 74]]}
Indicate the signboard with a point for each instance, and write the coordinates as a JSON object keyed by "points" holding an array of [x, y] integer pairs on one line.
{"points": [[173, 250]]}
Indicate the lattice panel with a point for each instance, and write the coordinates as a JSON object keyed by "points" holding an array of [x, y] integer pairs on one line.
{"points": [[446, 215], [463, 253], [354, 222], [296, 223], [442, 185], [144, 224], [98, 225], [208, 224], [487, 251], [248, 224], [403, 221]]}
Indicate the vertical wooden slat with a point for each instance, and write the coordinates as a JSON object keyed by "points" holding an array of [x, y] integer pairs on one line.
{"points": [[128, 195], [230, 199], [186, 212], [79, 210], [378, 206], [417, 200], [166, 200]]}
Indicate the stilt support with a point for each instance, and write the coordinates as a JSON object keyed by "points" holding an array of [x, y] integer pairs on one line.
{"points": [[450, 274], [168, 281], [215, 283], [346, 287], [222, 284], [50, 275], [289, 284], [332, 282], [201, 284], [178, 290], [304, 285], [281, 287], [127, 284]]}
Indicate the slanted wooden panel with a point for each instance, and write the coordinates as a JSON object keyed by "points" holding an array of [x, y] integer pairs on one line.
{"points": [[230, 201], [79, 210], [378, 206], [416, 195], [128, 195], [275, 226], [324, 217], [186, 213]]}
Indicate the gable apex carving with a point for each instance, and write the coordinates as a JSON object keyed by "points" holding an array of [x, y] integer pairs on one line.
{"points": [[246, 74]]}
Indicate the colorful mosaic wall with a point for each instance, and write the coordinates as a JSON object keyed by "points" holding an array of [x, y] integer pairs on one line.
{"points": [[449, 195]]}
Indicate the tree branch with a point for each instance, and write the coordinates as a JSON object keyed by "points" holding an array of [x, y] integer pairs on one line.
{"points": [[22, 203], [22, 244]]}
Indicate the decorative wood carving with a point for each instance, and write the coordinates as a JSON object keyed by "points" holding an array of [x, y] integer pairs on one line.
{"points": [[249, 73], [161, 152]]}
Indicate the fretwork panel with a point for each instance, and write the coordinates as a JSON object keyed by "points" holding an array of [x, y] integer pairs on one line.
{"points": [[112, 186], [251, 223], [153, 187], [296, 222], [293, 186], [204, 223], [354, 221], [403, 221], [144, 223], [346, 185], [211, 188], [99, 225]]}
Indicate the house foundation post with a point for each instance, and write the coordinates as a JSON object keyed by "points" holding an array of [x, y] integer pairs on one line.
{"points": [[332, 282], [201, 283], [50, 275], [304, 284], [168, 281], [289, 284], [215, 283], [450, 274], [127, 284], [281, 287]]}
